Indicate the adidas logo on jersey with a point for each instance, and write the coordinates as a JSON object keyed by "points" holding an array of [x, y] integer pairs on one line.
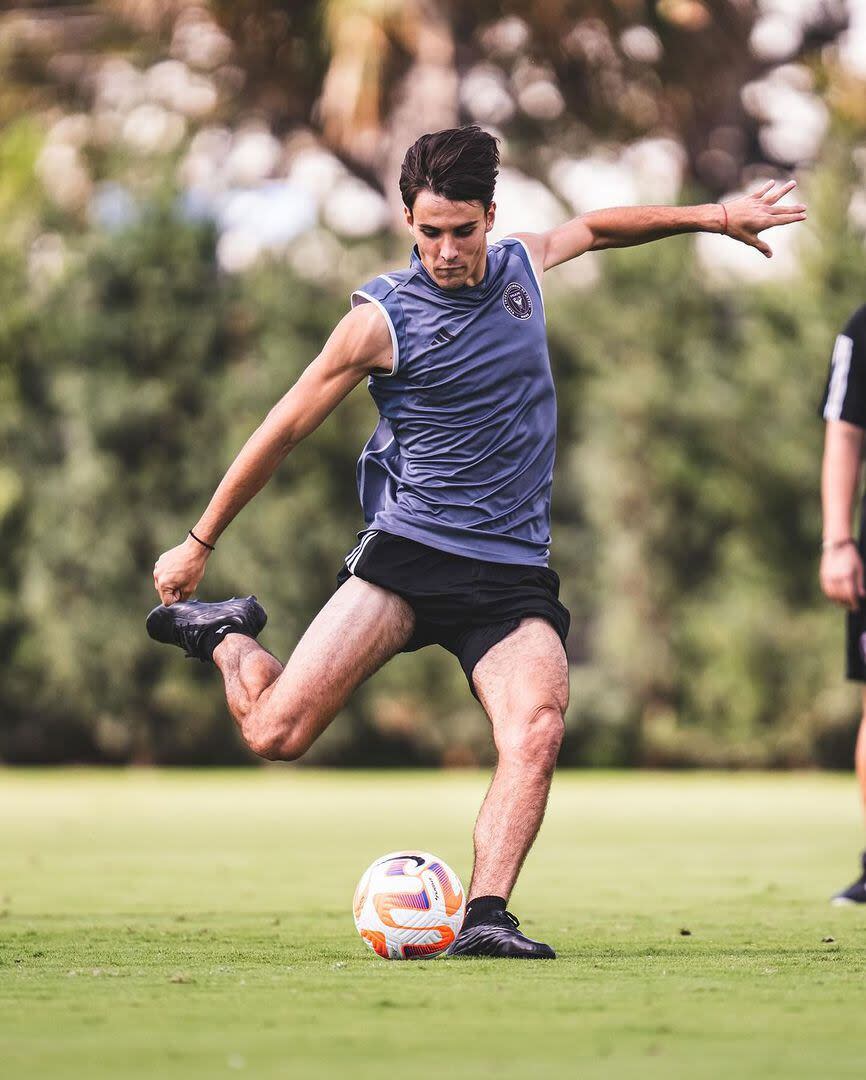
{"points": [[443, 337]]}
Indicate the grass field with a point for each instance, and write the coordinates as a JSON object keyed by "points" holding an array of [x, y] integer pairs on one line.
{"points": [[198, 924]]}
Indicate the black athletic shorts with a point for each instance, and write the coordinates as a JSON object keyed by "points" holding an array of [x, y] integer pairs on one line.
{"points": [[464, 605], [856, 622]]}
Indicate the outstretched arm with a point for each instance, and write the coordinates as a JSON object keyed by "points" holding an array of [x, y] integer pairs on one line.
{"points": [[625, 226], [359, 345]]}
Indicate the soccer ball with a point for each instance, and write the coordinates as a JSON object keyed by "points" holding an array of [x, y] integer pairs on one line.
{"points": [[409, 905]]}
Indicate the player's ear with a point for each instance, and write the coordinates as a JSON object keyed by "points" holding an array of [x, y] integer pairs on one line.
{"points": [[491, 217], [408, 214]]}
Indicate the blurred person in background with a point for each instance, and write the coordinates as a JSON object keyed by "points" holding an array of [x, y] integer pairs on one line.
{"points": [[841, 574], [455, 485]]}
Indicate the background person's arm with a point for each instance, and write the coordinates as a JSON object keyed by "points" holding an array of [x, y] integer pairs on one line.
{"points": [[841, 573], [626, 226], [359, 345]]}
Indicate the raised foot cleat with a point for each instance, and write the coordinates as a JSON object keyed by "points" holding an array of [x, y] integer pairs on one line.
{"points": [[197, 627], [855, 893], [498, 936]]}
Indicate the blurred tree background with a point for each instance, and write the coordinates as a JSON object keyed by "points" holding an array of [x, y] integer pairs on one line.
{"points": [[188, 192]]}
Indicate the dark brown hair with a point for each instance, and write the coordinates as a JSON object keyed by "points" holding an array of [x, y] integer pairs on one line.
{"points": [[459, 164]]}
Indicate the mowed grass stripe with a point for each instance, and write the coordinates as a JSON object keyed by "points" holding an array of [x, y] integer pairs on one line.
{"points": [[198, 924]]}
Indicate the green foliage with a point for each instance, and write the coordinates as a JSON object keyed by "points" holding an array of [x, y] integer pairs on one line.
{"points": [[128, 389], [100, 436], [699, 465], [685, 501], [19, 145]]}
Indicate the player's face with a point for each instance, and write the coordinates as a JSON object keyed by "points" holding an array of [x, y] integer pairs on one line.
{"points": [[451, 238]]}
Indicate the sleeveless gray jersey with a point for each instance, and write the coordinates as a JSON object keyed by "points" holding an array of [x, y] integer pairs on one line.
{"points": [[462, 457]]}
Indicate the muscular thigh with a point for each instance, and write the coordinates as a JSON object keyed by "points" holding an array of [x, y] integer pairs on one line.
{"points": [[525, 671], [356, 632]]}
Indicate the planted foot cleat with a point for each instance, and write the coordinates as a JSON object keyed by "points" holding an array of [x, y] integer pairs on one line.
{"points": [[856, 893], [498, 935], [198, 628]]}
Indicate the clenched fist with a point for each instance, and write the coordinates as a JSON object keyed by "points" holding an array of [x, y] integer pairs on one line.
{"points": [[177, 572]]}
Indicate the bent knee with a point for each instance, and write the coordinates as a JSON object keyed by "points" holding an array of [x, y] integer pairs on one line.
{"points": [[275, 738], [279, 747], [537, 736], [548, 725]]}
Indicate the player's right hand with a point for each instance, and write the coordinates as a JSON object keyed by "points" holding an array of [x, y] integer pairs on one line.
{"points": [[841, 576], [177, 572]]}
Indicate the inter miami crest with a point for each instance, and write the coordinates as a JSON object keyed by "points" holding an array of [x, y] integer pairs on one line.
{"points": [[517, 301]]}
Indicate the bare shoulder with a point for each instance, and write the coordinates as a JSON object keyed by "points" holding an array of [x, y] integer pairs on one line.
{"points": [[363, 339]]}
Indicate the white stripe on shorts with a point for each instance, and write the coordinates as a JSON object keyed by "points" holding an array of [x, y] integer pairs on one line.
{"points": [[352, 560], [352, 553], [839, 378]]}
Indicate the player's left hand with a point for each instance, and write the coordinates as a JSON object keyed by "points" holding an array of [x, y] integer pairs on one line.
{"points": [[751, 214]]}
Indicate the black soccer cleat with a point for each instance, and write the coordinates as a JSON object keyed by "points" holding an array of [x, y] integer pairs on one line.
{"points": [[198, 627], [856, 893], [498, 936]]}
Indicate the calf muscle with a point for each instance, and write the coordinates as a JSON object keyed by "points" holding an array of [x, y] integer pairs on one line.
{"points": [[280, 710]]}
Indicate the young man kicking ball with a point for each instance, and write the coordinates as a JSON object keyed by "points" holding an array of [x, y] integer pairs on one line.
{"points": [[455, 486]]}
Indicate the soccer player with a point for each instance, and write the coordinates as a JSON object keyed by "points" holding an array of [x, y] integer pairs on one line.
{"points": [[455, 487], [844, 410]]}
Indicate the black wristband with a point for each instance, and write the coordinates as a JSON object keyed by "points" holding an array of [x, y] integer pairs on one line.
{"points": [[210, 547]]}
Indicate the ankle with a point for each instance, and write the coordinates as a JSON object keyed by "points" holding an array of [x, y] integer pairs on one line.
{"points": [[230, 648], [480, 908], [224, 648]]}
